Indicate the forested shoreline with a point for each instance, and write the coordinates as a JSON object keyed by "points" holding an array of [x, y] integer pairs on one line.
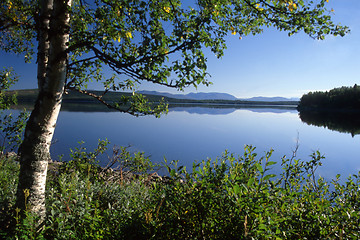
{"points": [[343, 99], [27, 98]]}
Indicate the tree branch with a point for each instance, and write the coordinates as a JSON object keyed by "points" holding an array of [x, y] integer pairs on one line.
{"points": [[100, 99]]}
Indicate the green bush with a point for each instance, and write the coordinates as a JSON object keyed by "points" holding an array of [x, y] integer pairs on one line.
{"points": [[9, 170], [237, 198], [11, 130], [227, 198]]}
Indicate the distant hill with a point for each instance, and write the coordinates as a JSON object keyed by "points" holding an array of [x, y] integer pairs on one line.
{"points": [[271, 99], [193, 96], [217, 96], [28, 96]]}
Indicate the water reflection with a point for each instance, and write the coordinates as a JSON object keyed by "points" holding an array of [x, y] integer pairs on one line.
{"points": [[221, 110], [197, 133], [210, 109], [338, 121]]}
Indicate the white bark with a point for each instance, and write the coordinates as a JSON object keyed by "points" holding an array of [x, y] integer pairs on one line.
{"points": [[43, 40], [35, 149]]}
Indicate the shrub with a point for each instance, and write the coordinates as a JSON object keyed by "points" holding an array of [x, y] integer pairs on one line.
{"points": [[237, 198], [226, 198]]}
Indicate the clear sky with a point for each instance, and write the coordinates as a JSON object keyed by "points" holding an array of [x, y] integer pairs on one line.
{"points": [[270, 64]]}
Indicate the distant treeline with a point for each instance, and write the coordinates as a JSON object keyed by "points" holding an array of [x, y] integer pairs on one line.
{"points": [[339, 99], [28, 96]]}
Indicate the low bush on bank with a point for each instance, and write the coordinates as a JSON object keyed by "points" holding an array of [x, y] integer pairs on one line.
{"points": [[227, 198]]}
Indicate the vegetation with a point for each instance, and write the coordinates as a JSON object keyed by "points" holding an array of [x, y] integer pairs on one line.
{"points": [[160, 42], [337, 99], [227, 198], [337, 109], [11, 127]]}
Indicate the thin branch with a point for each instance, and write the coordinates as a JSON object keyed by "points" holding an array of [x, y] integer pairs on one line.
{"points": [[80, 61], [275, 9], [78, 45], [100, 99]]}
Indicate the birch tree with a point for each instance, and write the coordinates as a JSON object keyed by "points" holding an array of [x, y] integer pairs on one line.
{"points": [[161, 42]]}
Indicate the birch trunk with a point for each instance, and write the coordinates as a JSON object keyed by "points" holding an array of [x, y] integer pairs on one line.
{"points": [[35, 149]]}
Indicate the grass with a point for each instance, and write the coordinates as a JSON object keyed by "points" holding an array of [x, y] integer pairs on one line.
{"points": [[232, 197]]}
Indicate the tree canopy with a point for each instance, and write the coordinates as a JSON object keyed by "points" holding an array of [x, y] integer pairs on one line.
{"points": [[160, 42], [343, 98]]}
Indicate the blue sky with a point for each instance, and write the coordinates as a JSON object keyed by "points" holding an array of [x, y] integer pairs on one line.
{"points": [[270, 64]]}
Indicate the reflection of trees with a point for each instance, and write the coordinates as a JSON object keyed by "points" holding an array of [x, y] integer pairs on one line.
{"points": [[348, 122]]}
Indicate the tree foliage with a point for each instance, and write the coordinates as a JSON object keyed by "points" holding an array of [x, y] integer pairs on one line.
{"points": [[11, 127], [343, 98], [161, 42]]}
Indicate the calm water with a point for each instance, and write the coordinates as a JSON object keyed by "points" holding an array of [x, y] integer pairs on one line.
{"points": [[188, 134]]}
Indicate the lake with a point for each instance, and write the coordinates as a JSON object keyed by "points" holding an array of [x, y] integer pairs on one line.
{"points": [[196, 133]]}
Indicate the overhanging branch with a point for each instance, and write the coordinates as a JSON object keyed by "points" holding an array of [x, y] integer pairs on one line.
{"points": [[100, 99]]}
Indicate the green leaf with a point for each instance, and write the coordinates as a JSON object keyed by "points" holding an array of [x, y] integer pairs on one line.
{"points": [[270, 163], [259, 167], [250, 182], [237, 189], [267, 177]]}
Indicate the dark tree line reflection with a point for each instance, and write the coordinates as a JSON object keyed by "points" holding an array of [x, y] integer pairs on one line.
{"points": [[347, 122]]}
